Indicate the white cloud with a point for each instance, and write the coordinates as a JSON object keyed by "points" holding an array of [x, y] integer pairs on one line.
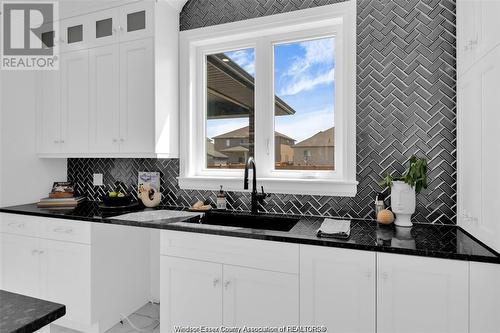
{"points": [[307, 82], [304, 125], [313, 69], [244, 59]]}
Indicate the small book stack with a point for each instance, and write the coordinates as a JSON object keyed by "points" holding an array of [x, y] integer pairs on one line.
{"points": [[62, 196], [60, 202]]}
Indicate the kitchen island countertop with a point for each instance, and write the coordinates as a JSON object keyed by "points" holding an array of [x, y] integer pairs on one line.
{"points": [[23, 314]]}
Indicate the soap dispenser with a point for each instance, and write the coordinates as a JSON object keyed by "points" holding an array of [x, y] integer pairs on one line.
{"points": [[221, 199]]}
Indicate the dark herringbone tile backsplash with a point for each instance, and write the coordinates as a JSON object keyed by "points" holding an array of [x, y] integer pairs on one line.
{"points": [[406, 104]]}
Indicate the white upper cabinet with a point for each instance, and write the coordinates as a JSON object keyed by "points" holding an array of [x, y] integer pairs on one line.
{"points": [[49, 112], [137, 131], [418, 294], [478, 127], [337, 289], [116, 94], [477, 30], [105, 99], [136, 21], [478, 119], [75, 33], [74, 102], [104, 27]]}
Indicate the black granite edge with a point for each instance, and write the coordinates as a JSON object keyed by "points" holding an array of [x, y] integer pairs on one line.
{"points": [[331, 242], [277, 236], [42, 321]]}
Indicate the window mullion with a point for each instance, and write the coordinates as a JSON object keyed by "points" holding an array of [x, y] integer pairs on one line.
{"points": [[264, 115]]}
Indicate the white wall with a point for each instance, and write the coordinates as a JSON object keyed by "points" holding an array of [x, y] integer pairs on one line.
{"points": [[24, 178]]}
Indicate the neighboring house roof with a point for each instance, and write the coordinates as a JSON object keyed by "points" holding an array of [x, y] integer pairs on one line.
{"points": [[244, 133], [214, 153], [321, 139], [231, 90], [237, 149]]}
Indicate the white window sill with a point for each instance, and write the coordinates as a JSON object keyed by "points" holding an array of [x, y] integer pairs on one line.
{"points": [[273, 185]]}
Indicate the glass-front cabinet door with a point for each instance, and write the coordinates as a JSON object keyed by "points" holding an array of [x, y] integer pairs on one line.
{"points": [[136, 20], [104, 27], [75, 33]]}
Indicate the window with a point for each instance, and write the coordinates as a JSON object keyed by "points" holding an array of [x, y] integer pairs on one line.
{"points": [[280, 89]]}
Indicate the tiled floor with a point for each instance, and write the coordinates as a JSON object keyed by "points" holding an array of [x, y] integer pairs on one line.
{"points": [[145, 320]]}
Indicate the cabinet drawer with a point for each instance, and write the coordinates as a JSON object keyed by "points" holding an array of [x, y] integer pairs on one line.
{"points": [[268, 255], [66, 230], [20, 225]]}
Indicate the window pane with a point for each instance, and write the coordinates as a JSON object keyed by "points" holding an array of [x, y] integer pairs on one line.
{"points": [[48, 39], [104, 28], [230, 108], [304, 87], [75, 34], [136, 21]]}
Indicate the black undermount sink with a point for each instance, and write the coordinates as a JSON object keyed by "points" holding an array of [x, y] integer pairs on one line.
{"points": [[247, 220]]}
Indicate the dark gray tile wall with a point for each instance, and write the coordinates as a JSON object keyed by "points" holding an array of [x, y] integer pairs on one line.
{"points": [[406, 104]]}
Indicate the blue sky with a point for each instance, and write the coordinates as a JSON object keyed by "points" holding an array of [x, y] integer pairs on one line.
{"points": [[304, 78]]}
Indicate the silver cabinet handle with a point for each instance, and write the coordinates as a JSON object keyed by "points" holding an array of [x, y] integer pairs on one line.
{"points": [[56, 141], [33, 252], [384, 276], [226, 284], [122, 140], [63, 230], [216, 282], [41, 252], [115, 140], [18, 225], [62, 141]]}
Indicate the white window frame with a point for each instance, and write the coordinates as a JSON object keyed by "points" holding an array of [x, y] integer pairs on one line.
{"points": [[337, 20]]}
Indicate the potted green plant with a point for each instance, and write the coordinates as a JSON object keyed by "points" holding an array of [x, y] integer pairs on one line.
{"points": [[405, 188]]}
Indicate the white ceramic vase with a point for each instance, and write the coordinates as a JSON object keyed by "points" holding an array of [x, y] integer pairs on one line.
{"points": [[403, 202]]}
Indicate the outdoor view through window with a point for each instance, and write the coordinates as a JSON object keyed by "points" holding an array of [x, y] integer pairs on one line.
{"points": [[304, 91]]}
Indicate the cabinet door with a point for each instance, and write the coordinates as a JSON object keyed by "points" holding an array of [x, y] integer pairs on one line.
{"points": [[484, 298], [136, 20], [137, 130], [20, 264], [190, 293], [66, 278], [469, 150], [104, 27], [49, 117], [488, 26], [337, 289], [468, 13], [104, 99], [478, 128], [75, 33], [260, 298], [417, 294], [75, 102]]}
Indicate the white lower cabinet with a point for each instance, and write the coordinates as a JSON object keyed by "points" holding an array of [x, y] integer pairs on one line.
{"points": [[255, 297], [196, 292], [20, 264], [484, 298], [337, 289], [86, 267], [417, 294], [191, 293], [66, 276]]}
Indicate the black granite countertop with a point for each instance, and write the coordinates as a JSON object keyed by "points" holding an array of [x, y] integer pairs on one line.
{"points": [[430, 240], [23, 314]]}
